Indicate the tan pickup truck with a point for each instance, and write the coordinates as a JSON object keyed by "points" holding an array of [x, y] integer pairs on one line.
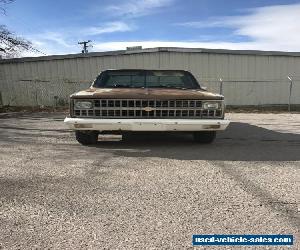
{"points": [[146, 100]]}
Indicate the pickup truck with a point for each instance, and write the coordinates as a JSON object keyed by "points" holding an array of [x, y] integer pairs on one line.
{"points": [[125, 100]]}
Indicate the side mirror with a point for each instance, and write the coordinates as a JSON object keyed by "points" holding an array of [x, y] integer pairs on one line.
{"points": [[204, 88]]}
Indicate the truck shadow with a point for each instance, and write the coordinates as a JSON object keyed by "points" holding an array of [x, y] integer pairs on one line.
{"points": [[240, 142]]}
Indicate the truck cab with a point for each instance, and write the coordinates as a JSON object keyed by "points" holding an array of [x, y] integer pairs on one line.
{"points": [[146, 100]]}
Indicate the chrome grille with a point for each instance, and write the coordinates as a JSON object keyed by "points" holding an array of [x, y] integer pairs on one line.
{"points": [[143, 108]]}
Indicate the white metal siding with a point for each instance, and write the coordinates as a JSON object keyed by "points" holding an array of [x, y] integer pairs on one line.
{"points": [[248, 79]]}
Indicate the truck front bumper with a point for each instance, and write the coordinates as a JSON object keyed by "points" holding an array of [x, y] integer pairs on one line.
{"points": [[146, 124]]}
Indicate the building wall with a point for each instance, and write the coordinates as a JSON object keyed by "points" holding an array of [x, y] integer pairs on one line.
{"points": [[249, 79]]}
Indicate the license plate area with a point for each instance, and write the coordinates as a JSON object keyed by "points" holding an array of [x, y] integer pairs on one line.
{"points": [[137, 126]]}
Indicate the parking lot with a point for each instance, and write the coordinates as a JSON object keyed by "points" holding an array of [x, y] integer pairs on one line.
{"points": [[149, 191]]}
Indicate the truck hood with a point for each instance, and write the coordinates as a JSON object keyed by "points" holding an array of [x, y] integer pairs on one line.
{"points": [[146, 93]]}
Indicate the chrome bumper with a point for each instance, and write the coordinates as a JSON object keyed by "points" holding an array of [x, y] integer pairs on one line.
{"points": [[146, 124]]}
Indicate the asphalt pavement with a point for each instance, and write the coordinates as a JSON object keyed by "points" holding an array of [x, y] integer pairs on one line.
{"points": [[150, 191]]}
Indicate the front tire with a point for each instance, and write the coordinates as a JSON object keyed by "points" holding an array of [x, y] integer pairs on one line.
{"points": [[87, 137], [205, 136]]}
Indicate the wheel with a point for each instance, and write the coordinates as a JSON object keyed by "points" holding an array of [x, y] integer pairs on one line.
{"points": [[87, 137], [205, 136]]}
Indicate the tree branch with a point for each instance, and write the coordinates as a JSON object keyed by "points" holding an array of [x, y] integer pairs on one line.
{"points": [[10, 44]]}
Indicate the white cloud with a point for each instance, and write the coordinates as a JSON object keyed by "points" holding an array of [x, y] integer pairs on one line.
{"points": [[137, 8], [268, 28], [108, 28], [51, 49], [55, 37], [205, 24], [273, 27], [108, 46], [279, 24], [50, 42]]}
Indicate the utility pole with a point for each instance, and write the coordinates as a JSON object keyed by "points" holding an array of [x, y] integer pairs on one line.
{"points": [[85, 46], [290, 93]]}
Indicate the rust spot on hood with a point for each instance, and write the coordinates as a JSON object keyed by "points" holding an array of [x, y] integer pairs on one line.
{"points": [[146, 93]]}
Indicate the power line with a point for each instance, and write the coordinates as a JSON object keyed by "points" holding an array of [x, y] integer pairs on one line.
{"points": [[85, 46]]}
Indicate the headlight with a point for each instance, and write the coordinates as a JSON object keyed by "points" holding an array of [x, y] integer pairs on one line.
{"points": [[211, 105], [83, 105]]}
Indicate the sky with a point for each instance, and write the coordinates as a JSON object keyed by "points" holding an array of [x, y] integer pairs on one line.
{"points": [[55, 27]]}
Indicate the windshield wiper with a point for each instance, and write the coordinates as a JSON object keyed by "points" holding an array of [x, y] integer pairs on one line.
{"points": [[180, 88], [122, 86], [167, 87], [157, 86]]}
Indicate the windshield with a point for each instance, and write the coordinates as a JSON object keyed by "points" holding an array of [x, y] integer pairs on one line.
{"points": [[146, 79]]}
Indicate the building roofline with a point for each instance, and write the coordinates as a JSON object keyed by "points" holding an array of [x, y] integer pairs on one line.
{"points": [[151, 50]]}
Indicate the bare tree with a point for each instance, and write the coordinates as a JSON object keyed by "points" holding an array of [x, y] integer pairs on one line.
{"points": [[10, 44], [2, 5]]}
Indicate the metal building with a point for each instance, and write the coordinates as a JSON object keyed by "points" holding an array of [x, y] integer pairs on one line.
{"points": [[248, 77]]}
